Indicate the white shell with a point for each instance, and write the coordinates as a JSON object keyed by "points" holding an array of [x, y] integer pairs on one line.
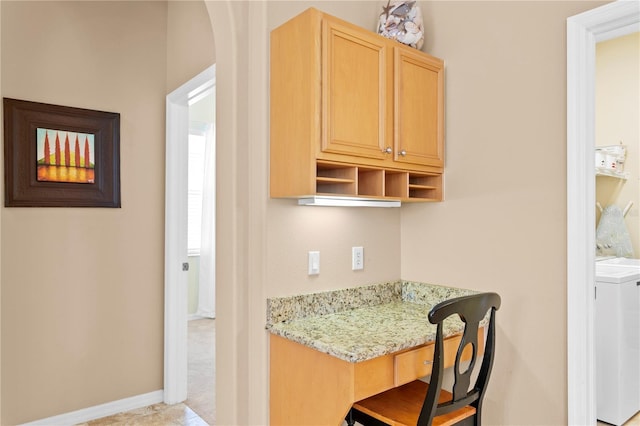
{"points": [[402, 21]]}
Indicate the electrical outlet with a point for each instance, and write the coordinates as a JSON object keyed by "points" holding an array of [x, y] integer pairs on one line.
{"points": [[314, 262], [357, 258]]}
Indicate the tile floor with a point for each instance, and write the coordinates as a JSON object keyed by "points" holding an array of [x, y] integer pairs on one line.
{"points": [[157, 414], [201, 393], [180, 414]]}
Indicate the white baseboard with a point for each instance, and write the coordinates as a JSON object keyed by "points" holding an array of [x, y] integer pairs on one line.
{"points": [[102, 410]]}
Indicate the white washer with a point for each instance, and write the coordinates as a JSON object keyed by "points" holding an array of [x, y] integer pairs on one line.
{"points": [[619, 261], [617, 339]]}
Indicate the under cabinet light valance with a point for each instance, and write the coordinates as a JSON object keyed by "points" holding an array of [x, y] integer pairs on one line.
{"points": [[320, 200]]}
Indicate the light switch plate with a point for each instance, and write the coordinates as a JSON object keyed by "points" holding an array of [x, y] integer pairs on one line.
{"points": [[357, 258], [314, 262]]}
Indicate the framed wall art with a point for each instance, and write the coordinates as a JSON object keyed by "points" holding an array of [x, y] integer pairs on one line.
{"points": [[60, 156]]}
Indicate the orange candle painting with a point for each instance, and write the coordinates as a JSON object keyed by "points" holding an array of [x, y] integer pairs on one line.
{"points": [[65, 156]]}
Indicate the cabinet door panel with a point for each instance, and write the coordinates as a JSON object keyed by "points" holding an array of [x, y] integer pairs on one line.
{"points": [[419, 121], [353, 93]]}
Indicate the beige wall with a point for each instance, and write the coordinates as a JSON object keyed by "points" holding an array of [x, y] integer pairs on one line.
{"points": [[503, 224], [82, 312], [293, 231], [501, 228], [617, 112], [83, 288], [190, 46]]}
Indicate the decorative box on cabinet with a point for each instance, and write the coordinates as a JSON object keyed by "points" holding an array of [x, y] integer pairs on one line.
{"points": [[353, 113]]}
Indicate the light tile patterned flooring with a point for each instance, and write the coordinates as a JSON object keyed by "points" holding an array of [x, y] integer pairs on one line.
{"points": [[180, 414], [199, 408], [157, 414]]}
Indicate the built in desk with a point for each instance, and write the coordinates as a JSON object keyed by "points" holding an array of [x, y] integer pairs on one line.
{"points": [[328, 350]]}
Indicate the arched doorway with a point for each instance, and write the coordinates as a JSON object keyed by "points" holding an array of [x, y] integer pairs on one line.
{"points": [[239, 30]]}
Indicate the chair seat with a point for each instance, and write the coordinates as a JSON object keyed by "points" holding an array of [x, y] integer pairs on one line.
{"points": [[401, 406]]}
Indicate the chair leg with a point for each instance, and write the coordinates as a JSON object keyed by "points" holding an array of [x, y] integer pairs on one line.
{"points": [[362, 419], [350, 420]]}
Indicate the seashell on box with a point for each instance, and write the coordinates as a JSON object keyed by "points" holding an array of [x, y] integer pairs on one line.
{"points": [[402, 21]]}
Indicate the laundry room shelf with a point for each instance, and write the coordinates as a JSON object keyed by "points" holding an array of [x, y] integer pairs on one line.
{"points": [[611, 173]]}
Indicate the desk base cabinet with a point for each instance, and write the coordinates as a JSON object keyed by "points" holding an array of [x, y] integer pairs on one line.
{"points": [[310, 387]]}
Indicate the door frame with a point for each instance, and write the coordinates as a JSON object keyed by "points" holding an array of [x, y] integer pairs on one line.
{"points": [[175, 240], [583, 32]]}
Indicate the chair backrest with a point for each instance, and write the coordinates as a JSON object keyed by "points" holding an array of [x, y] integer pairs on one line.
{"points": [[471, 310]]}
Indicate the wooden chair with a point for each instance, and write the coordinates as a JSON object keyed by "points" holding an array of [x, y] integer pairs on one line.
{"points": [[422, 404]]}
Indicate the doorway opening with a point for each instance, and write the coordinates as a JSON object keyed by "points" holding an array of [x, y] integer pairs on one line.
{"points": [[190, 245], [201, 207], [583, 32]]}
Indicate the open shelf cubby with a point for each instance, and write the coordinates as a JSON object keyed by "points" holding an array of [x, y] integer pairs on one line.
{"points": [[425, 186], [336, 179], [370, 182], [377, 182], [396, 184]]}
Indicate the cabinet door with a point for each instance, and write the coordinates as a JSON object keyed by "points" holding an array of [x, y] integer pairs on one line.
{"points": [[355, 81], [419, 108]]}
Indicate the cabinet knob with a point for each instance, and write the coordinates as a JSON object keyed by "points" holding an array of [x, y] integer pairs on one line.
{"points": [[403, 152], [387, 150]]}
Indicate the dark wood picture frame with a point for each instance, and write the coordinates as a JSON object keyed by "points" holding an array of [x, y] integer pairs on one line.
{"points": [[22, 119]]}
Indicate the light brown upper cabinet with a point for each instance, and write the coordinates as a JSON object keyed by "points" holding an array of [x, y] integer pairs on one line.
{"points": [[353, 113], [356, 102], [419, 108]]}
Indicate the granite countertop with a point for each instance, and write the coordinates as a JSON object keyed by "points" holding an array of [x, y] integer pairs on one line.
{"points": [[374, 320]]}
